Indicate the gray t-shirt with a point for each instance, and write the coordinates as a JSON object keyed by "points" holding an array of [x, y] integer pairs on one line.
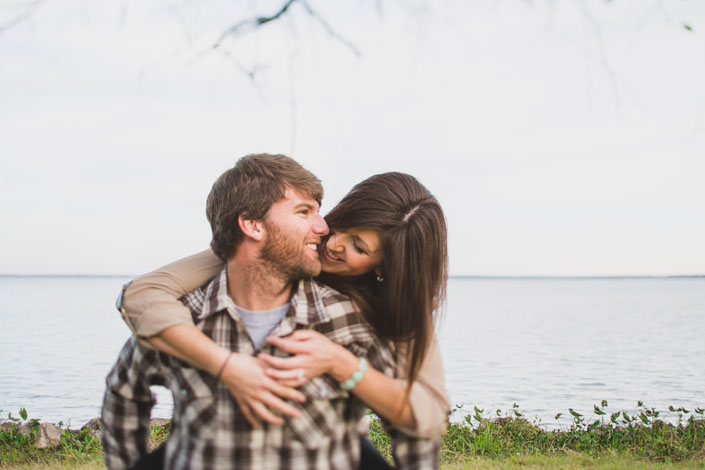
{"points": [[259, 323]]}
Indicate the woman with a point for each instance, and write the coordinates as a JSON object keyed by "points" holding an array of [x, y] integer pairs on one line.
{"points": [[387, 251]]}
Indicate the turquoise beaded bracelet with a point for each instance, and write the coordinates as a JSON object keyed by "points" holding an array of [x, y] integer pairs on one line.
{"points": [[356, 377]]}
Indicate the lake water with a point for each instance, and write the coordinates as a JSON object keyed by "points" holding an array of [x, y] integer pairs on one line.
{"points": [[546, 344]]}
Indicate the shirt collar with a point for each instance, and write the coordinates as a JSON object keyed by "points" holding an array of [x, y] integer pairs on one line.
{"points": [[308, 303], [306, 300], [216, 298]]}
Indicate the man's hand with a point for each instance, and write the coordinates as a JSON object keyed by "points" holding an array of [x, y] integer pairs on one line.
{"points": [[256, 393]]}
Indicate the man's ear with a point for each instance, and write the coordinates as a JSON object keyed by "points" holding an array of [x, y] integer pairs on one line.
{"points": [[253, 229]]}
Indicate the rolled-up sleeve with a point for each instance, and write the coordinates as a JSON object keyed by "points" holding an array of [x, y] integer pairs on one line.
{"points": [[427, 398], [150, 303]]}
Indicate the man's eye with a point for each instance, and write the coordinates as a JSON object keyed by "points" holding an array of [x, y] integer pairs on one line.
{"points": [[304, 211]]}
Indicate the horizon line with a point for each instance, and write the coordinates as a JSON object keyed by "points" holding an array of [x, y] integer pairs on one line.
{"points": [[452, 276]]}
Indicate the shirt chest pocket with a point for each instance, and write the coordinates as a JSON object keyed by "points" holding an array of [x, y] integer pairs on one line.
{"points": [[323, 415]]}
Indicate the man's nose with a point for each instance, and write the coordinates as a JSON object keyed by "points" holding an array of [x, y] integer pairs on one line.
{"points": [[320, 227]]}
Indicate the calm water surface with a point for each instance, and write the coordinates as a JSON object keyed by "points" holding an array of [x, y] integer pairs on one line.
{"points": [[545, 344], [551, 344]]}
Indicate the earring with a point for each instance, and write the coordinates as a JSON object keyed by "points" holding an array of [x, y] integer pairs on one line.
{"points": [[379, 277]]}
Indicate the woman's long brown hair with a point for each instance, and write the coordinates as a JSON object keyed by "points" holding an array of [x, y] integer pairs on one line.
{"points": [[402, 307]]}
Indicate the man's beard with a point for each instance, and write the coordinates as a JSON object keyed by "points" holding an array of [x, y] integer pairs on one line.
{"points": [[284, 255]]}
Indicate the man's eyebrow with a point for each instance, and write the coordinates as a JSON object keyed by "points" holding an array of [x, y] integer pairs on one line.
{"points": [[306, 205]]}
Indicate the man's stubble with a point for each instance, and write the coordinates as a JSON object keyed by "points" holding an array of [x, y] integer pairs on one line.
{"points": [[284, 254]]}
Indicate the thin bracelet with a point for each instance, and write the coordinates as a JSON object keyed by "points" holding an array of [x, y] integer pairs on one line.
{"points": [[356, 377], [225, 363]]}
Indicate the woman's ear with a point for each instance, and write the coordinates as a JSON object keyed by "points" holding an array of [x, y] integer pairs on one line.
{"points": [[253, 229]]}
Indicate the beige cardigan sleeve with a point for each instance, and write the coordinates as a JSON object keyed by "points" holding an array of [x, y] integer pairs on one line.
{"points": [[427, 398], [151, 302], [151, 305]]}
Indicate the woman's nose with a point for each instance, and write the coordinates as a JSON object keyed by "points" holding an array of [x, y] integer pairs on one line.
{"points": [[335, 246]]}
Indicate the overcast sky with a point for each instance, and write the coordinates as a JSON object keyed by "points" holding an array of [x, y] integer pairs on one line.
{"points": [[561, 138]]}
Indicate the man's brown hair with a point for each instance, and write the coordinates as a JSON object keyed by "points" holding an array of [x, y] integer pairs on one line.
{"points": [[249, 189]]}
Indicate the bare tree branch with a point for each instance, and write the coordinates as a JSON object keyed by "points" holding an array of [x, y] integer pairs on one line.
{"points": [[330, 29], [604, 61], [252, 23], [292, 104], [251, 74], [24, 16]]}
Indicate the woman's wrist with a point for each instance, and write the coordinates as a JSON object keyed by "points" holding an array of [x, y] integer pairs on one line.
{"points": [[345, 365], [357, 376]]}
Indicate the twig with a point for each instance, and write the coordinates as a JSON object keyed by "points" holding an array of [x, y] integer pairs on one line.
{"points": [[293, 104], [251, 74], [329, 29], [22, 17], [252, 22], [602, 52]]}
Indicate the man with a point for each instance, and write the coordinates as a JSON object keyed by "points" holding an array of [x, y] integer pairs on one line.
{"points": [[266, 227]]}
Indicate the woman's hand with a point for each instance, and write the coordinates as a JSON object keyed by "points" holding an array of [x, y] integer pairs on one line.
{"points": [[314, 355], [255, 392]]}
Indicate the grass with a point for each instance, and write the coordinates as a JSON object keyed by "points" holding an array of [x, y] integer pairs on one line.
{"points": [[570, 462], [636, 440], [76, 449], [57, 465], [640, 434], [535, 462]]}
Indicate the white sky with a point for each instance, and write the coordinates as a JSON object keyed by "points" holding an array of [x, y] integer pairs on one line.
{"points": [[562, 138]]}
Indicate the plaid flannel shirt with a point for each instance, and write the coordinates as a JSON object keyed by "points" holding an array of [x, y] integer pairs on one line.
{"points": [[209, 431]]}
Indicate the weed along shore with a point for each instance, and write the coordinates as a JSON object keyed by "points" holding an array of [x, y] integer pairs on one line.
{"points": [[640, 439]]}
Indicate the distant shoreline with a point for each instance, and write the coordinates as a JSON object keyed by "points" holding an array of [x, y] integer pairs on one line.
{"points": [[68, 275], [555, 278], [558, 278]]}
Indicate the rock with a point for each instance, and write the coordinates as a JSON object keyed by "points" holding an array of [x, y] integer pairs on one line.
{"points": [[94, 428], [94, 423], [159, 422], [49, 436], [7, 426], [600, 429], [19, 428], [24, 428]]}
